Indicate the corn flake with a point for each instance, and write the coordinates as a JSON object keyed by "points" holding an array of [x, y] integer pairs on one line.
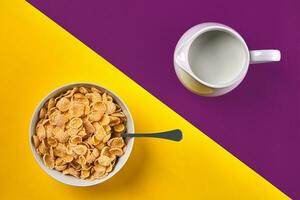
{"points": [[80, 149], [116, 151], [104, 160], [48, 161], [119, 128], [83, 90], [75, 123], [116, 142], [63, 104]]}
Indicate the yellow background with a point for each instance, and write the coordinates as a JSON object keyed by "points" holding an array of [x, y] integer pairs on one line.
{"points": [[37, 56]]}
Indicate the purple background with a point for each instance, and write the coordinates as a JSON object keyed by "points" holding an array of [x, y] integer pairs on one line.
{"points": [[259, 121]]}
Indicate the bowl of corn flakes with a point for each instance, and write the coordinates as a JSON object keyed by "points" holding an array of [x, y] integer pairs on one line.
{"points": [[75, 134]]}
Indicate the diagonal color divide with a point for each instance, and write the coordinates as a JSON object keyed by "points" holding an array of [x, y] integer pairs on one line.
{"points": [[39, 56], [59, 62], [258, 122]]}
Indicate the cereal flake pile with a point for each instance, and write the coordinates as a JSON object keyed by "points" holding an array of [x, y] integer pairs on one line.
{"points": [[79, 133]]}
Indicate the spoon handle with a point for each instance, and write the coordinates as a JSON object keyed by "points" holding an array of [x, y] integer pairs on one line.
{"points": [[174, 135]]}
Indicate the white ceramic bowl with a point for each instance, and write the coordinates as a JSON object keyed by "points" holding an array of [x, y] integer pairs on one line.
{"points": [[69, 179]]}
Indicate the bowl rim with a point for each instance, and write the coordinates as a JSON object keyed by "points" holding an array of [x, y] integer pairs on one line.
{"points": [[73, 180]]}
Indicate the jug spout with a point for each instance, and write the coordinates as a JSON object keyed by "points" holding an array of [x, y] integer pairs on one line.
{"points": [[180, 58]]}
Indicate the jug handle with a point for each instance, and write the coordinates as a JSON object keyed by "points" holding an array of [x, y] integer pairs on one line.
{"points": [[264, 56]]}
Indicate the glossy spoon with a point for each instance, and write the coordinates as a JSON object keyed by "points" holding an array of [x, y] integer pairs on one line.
{"points": [[174, 135]]}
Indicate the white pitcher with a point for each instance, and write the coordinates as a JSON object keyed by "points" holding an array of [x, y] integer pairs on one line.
{"points": [[212, 59]]}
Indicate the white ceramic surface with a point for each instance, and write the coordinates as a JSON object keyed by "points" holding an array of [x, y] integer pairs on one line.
{"points": [[212, 59], [69, 179]]}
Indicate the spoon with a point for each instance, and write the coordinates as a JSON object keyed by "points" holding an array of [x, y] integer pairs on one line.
{"points": [[174, 135]]}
